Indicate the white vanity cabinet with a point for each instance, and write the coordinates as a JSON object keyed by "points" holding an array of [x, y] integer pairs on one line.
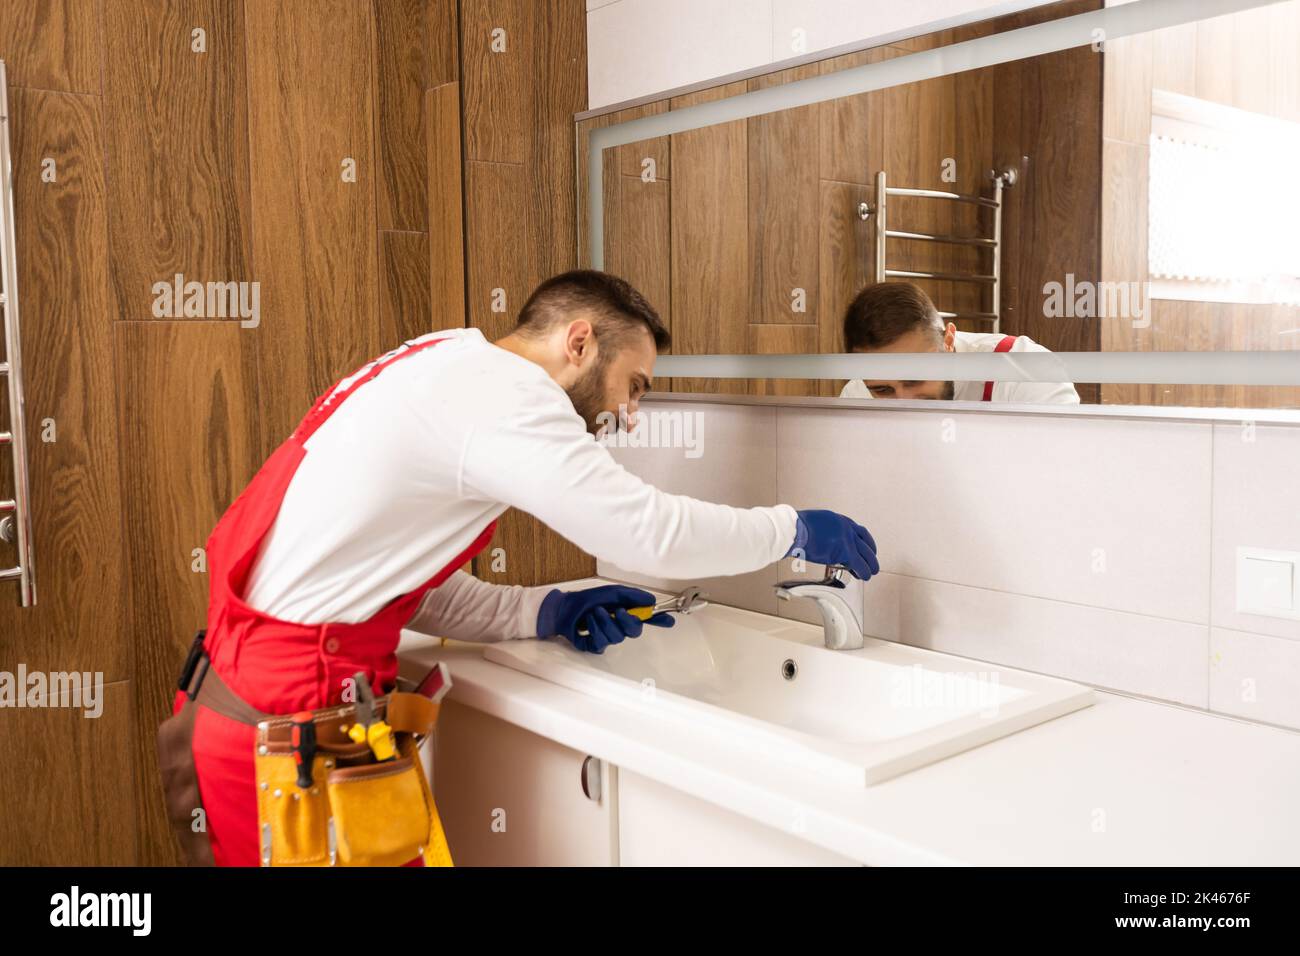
{"points": [[508, 797], [660, 826]]}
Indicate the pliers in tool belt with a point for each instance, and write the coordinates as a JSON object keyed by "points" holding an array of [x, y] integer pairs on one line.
{"points": [[367, 729]]}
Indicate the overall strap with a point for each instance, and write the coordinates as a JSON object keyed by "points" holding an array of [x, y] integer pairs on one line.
{"points": [[1003, 346]]}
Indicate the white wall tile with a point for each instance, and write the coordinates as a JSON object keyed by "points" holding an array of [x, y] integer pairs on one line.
{"points": [[1255, 676], [1256, 504], [736, 466], [1024, 504], [1115, 650], [639, 47], [1006, 576]]}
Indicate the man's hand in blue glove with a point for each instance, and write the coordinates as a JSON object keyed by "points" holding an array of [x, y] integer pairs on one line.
{"points": [[601, 612], [826, 537]]}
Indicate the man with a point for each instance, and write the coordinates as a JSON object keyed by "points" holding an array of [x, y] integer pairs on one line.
{"points": [[358, 525], [899, 317]]}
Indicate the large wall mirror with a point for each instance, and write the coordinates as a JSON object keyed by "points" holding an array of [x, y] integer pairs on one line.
{"points": [[1115, 185]]}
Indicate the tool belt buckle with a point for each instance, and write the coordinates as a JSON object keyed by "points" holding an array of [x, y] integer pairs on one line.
{"points": [[196, 653]]}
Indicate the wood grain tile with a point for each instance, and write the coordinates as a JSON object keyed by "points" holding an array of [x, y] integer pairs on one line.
{"points": [[446, 267], [315, 243], [189, 413], [401, 79], [404, 306], [53, 44], [180, 179], [77, 622]]}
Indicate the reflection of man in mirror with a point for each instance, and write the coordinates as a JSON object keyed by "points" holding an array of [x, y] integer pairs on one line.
{"points": [[899, 317]]}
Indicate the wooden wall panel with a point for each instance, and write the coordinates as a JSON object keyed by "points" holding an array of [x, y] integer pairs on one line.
{"points": [[562, 76], [503, 244], [180, 200], [52, 44], [784, 197], [562, 69], [1046, 122], [79, 622], [225, 166], [915, 160], [1061, 233], [442, 46], [310, 109], [638, 237], [851, 151], [404, 306], [766, 338], [446, 267], [68, 796], [851, 132], [190, 413], [637, 213], [68, 378], [520, 201], [628, 160], [710, 240], [500, 91], [401, 78], [846, 258], [518, 116]]}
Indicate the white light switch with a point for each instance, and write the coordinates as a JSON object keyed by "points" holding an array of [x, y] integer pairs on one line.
{"points": [[1266, 582]]}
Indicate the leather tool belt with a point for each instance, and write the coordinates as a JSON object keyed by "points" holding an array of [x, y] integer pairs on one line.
{"points": [[358, 811]]}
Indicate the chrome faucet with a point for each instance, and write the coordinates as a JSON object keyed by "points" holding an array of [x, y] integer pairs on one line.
{"points": [[839, 597]]}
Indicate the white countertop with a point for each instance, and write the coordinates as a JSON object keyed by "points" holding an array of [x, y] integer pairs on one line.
{"points": [[1125, 782]]}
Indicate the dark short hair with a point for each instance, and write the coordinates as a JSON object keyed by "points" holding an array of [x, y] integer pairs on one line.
{"points": [[885, 311], [615, 307]]}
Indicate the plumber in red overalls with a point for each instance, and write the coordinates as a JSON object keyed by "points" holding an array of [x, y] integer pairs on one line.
{"points": [[358, 525]]}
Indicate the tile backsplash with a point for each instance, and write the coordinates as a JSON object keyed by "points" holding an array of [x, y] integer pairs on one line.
{"points": [[1096, 548]]}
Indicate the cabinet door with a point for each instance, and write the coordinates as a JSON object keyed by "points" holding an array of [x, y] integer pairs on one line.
{"points": [[508, 797], [660, 826]]}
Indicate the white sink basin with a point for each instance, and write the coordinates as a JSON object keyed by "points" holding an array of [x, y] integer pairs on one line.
{"points": [[768, 686]]}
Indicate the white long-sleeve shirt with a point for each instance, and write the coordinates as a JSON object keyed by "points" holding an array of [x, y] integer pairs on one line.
{"points": [[464, 608], [1029, 393], [408, 470]]}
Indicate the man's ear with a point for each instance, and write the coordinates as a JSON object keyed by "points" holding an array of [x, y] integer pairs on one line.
{"points": [[579, 341], [949, 335]]}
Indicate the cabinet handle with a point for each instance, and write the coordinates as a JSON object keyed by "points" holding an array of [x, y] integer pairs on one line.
{"points": [[591, 778]]}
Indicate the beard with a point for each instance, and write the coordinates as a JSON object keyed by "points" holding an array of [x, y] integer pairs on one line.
{"points": [[948, 391], [588, 397]]}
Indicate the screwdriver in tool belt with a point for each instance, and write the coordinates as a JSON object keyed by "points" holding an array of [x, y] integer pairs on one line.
{"points": [[303, 739]]}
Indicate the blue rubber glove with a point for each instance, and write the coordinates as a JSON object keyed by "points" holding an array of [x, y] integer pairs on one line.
{"points": [[826, 537], [601, 612]]}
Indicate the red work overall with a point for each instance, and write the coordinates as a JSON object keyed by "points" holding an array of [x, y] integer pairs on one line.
{"points": [[280, 667], [1003, 346]]}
